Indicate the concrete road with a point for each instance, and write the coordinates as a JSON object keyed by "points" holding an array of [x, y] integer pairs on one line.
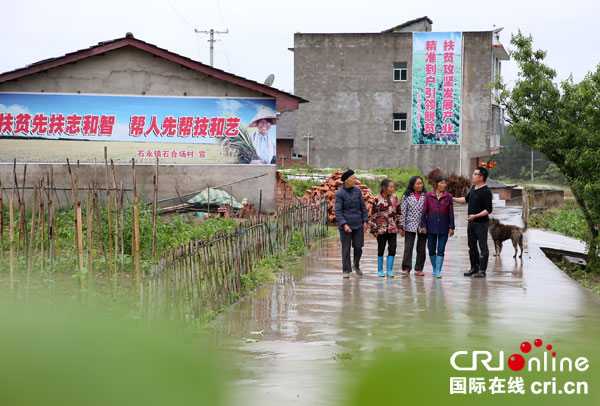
{"points": [[319, 328]]}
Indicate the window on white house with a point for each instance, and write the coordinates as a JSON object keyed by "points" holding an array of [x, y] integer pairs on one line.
{"points": [[399, 122], [400, 71]]}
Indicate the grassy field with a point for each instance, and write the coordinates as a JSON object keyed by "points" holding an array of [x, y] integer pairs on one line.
{"points": [[86, 151]]}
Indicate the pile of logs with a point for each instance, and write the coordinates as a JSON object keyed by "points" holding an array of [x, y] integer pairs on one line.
{"points": [[458, 186], [327, 191]]}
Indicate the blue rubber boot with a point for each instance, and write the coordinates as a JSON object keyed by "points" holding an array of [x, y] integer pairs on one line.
{"points": [[438, 268], [433, 259], [390, 265], [380, 267]]}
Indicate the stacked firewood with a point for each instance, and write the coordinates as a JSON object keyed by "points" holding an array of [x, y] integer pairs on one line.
{"points": [[327, 191], [458, 186]]}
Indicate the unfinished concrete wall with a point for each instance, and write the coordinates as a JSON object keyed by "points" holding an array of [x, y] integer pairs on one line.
{"points": [[129, 71], [348, 80], [174, 180], [476, 110], [541, 198]]}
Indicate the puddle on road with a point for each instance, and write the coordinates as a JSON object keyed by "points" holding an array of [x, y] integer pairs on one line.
{"points": [[311, 316]]}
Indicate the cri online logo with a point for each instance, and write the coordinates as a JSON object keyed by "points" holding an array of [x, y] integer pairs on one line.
{"points": [[516, 362]]}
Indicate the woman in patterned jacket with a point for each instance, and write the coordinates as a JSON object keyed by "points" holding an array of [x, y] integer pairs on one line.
{"points": [[437, 222], [412, 210], [384, 224]]}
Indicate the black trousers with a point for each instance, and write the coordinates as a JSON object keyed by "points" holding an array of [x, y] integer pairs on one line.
{"points": [[478, 233], [391, 239], [356, 239], [409, 242]]}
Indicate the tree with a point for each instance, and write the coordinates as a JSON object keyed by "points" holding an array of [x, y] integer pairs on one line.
{"points": [[562, 121], [514, 162]]}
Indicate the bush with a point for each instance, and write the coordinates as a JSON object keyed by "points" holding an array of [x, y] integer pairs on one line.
{"points": [[300, 186], [567, 221], [400, 176]]}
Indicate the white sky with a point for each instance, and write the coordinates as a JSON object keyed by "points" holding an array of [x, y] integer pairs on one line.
{"points": [[261, 31]]}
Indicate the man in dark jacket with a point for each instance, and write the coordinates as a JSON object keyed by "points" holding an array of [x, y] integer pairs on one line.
{"points": [[352, 217], [480, 207]]}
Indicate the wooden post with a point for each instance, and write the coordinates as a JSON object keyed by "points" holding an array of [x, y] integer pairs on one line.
{"points": [[74, 186], [79, 239], [116, 195], [525, 200], [154, 209], [42, 226], [90, 247], [134, 182], [11, 232], [136, 240], [51, 221], [22, 214], [122, 229], [31, 240], [108, 209]]}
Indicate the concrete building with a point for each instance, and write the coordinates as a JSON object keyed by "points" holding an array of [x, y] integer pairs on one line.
{"points": [[360, 91], [129, 66]]}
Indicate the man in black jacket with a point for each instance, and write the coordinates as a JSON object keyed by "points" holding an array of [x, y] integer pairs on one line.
{"points": [[480, 207], [352, 217]]}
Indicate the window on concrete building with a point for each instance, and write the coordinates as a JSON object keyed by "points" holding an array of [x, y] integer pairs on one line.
{"points": [[399, 122], [296, 155], [400, 71]]}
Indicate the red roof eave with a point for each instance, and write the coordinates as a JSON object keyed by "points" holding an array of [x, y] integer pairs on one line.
{"points": [[501, 52], [284, 101]]}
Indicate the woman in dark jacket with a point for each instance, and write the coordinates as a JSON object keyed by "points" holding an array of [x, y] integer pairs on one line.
{"points": [[352, 217], [437, 222]]}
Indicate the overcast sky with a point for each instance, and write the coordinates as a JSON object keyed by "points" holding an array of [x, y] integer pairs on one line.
{"points": [[261, 31]]}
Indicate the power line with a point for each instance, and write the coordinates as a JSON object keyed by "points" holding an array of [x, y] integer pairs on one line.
{"points": [[222, 19], [179, 15]]}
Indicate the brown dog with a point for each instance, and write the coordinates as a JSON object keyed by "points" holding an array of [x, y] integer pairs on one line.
{"points": [[501, 233]]}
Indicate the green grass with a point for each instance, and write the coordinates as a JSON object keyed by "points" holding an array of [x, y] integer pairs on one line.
{"points": [[567, 220], [400, 176], [342, 357], [587, 279], [301, 186], [273, 263]]}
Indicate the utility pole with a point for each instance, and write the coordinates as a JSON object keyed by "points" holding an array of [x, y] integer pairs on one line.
{"points": [[282, 157], [212, 39], [532, 164], [308, 138]]}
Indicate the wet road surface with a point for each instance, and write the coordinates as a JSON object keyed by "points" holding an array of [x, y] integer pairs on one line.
{"points": [[311, 316]]}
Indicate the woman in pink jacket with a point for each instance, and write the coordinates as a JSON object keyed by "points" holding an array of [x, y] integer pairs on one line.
{"points": [[384, 225]]}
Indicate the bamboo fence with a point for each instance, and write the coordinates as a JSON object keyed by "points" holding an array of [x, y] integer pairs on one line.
{"points": [[200, 277], [182, 285]]}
